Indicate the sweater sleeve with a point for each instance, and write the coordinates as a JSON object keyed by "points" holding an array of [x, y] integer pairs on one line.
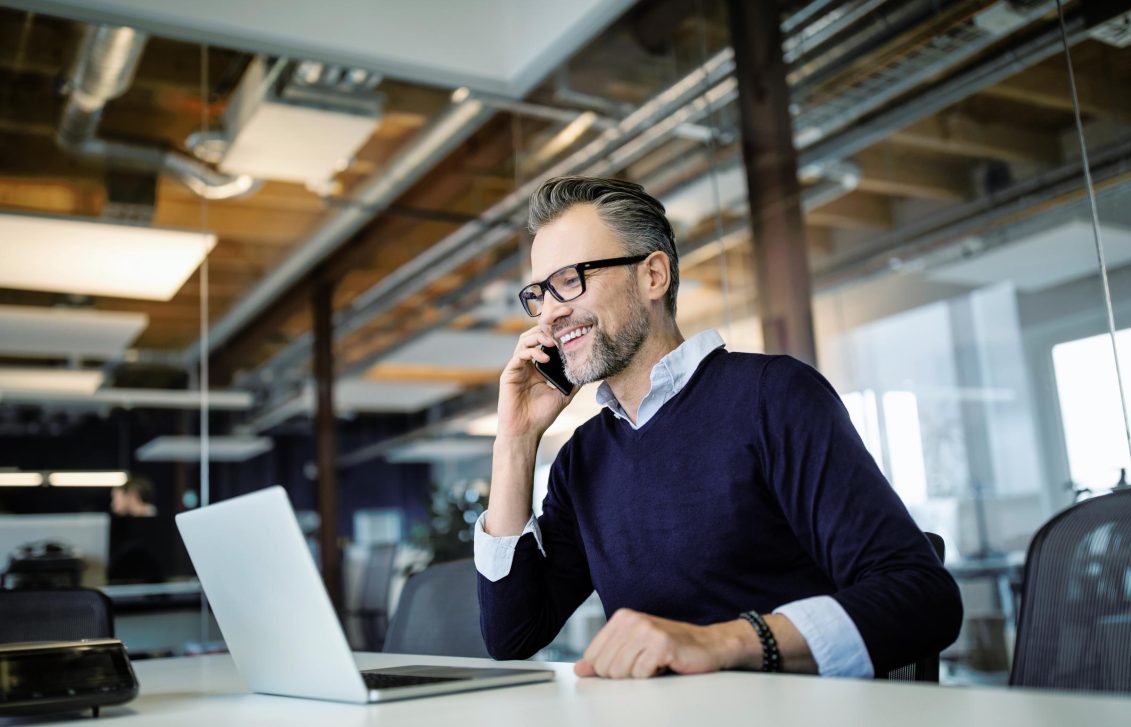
{"points": [[850, 520], [523, 611]]}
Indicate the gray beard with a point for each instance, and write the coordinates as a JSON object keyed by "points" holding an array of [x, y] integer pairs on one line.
{"points": [[611, 355]]}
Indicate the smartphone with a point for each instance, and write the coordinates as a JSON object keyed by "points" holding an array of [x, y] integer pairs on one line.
{"points": [[554, 371]]}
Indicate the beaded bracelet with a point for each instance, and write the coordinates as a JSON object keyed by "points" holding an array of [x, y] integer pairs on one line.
{"points": [[771, 657]]}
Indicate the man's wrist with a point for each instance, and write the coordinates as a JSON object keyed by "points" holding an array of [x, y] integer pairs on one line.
{"points": [[522, 443], [739, 645]]}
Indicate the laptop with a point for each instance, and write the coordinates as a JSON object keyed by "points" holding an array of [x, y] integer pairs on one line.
{"points": [[280, 627]]}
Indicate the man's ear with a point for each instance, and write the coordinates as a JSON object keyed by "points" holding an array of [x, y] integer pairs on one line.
{"points": [[657, 275]]}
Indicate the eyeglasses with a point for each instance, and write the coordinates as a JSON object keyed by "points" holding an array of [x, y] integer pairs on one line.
{"points": [[567, 284]]}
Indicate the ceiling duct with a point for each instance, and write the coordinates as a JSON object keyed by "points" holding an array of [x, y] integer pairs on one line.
{"points": [[104, 69]]}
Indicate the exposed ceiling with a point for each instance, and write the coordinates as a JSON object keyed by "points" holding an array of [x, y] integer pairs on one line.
{"points": [[920, 125]]}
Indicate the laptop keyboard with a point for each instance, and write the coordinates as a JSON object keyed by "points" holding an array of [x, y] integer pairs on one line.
{"points": [[379, 680]]}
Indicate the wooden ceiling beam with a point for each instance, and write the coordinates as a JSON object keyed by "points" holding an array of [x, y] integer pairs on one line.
{"points": [[964, 136], [901, 175], [1048, 88], [856, 211]]}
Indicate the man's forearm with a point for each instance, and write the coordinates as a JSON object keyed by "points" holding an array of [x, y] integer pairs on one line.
{"points": [[512, 486]]}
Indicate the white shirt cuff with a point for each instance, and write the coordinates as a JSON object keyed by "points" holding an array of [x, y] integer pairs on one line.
{"points": [[833, 639], [494, 555]]}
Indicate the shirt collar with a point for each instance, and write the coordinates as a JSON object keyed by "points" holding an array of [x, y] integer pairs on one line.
{"points": [[668, 376]]}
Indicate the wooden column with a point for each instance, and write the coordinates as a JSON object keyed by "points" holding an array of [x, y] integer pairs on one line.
{"points": [[781, 258], [325, 438]]}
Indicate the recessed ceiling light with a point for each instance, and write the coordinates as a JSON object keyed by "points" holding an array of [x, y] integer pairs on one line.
{"points": [[87, 479], [92, 257]]}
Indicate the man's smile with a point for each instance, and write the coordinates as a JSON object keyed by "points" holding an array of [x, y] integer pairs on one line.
{"points": [[571, 339]]}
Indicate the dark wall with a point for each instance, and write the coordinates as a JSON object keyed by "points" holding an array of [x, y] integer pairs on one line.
{"points": [[95, 442]]}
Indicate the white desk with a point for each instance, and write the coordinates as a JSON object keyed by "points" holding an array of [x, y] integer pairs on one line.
{"points": [[207, 691]]}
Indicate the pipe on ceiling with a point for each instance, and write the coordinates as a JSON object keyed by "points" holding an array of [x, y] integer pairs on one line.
{"points": [[373, 200], [105, 67], [680, 103], [458, 122], [498, 223]]}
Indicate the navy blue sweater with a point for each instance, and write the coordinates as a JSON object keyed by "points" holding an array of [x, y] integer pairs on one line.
{"points": [[747, 490]]}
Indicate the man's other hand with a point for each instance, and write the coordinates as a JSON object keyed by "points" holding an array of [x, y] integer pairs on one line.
{"points": [[634, 644]]}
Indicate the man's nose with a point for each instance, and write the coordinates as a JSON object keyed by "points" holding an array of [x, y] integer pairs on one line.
{"points": [[552, 310]]}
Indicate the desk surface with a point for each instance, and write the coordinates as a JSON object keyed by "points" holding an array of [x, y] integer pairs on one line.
{"points": [[208, 691]]}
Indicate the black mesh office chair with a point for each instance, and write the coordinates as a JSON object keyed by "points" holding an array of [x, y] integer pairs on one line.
{"points": [[1074, 631], [926, 669], [57, 614], [438, 613]]}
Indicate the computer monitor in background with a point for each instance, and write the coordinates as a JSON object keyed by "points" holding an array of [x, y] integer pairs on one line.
{"points": [[86, 532], [145, 550]]}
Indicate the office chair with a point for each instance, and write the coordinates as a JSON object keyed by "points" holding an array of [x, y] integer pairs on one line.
{"points": [[373, 610], [926, 669], [438, 613], [56, 614], [1074, 631]]}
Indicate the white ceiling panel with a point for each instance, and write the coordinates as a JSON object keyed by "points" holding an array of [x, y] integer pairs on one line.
{"points": [[187, 449], [1050, 257], [49, 380], [29, 331], [500, 46], [442, 450], [360, 395], [457, 350], [92, 257]]}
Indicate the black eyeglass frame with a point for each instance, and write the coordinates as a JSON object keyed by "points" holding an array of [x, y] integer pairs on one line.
{"points": [[581, 269]]}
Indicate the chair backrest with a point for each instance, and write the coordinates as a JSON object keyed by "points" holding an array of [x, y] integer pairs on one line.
{"points": [[55, 614], [1074, 631], [926, 669], [374, 607], [438, 613]]}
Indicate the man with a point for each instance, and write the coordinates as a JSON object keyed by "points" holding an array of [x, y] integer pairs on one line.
{"points": [[722, 505], [133, 499]]}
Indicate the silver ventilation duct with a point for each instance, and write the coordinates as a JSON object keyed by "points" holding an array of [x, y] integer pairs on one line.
{"points": [[104, 69]]}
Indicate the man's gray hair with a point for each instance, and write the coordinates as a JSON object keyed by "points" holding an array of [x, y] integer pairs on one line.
{"points": [[636, 217]]}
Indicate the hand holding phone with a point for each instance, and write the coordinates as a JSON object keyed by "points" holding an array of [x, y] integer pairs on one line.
{"points": [[554, 371]]}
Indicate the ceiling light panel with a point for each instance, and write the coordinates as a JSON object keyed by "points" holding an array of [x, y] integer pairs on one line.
{"points": [[188, 449], [46, 380], [87, 479], [20, 479], [91, 257], [358, 395], [30, 331]]}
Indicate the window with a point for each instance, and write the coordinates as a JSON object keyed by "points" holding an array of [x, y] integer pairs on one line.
{"points": [[1094, 435]]}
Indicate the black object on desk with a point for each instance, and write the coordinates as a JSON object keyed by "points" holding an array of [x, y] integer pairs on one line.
{"points": [[64, 676], [43, 564], [145, 550]]}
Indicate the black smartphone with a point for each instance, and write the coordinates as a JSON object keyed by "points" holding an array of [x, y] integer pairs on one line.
{"points": [[554, 371]]}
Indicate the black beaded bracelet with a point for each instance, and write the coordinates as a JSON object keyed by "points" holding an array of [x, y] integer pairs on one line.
{"points": [[771, 657]]}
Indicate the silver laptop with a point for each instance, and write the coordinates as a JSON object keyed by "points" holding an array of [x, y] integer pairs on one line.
{"points": [[277, 620]]}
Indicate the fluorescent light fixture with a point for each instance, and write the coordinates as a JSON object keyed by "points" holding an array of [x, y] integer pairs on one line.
{"points": [[92, 257], [20, 479], [187, 449], [87, 479], [63, 381], [32, 331], [442, 450], [134, 399]]}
